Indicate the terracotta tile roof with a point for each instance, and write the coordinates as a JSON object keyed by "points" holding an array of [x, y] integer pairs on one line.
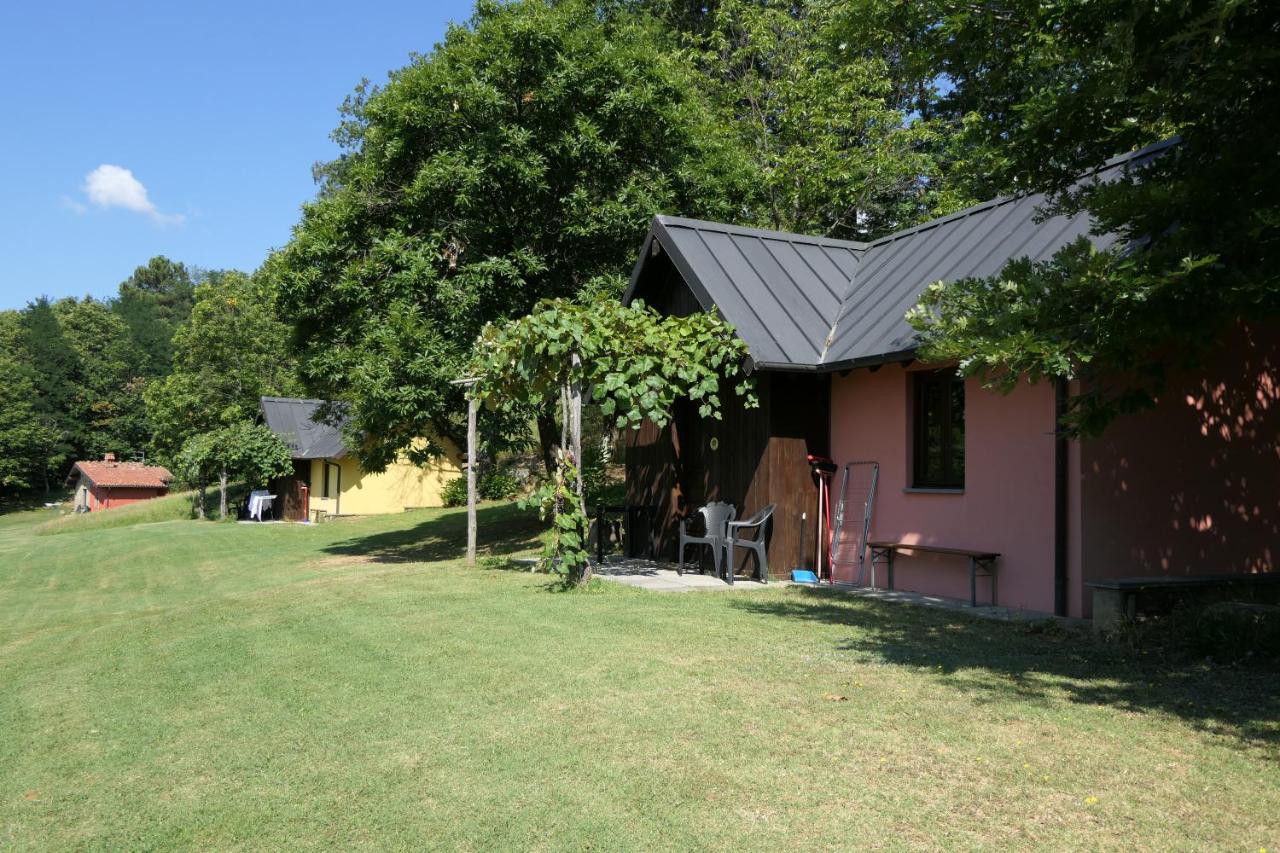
{"points": [[123, 474]]}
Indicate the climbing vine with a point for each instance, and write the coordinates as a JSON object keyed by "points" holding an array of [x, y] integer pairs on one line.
{"points": [[629, 360], [565, 550]]}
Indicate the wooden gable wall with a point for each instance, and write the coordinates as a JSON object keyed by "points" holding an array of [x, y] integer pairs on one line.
{"points": [[751, 458]]}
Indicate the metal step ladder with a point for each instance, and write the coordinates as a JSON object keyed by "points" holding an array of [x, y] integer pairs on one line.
{"points": [[837, 528]]}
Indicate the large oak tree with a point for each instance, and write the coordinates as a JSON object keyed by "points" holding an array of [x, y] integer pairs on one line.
{"points": [[521, 159]]}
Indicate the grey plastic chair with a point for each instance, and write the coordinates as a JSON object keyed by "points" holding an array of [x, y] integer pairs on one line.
{"points": [[716, 517], [758, 523]]}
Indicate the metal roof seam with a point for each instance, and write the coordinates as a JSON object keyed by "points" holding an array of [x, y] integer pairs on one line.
{"points": [[741, 296], [778, 298], [895, 306], [798, 287]]}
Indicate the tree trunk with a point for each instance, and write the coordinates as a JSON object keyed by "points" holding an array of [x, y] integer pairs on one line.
{"points": [[222, 490], [547, 440], [575, 432], [575, 441], [199, 499], [564, 416], [472, 405]]}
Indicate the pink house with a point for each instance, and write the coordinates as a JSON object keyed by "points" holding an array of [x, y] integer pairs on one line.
{"points": [[1191, 487]]}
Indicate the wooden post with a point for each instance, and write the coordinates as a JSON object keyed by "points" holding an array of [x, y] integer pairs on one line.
{"points": [[472, 405], [575, 428], [575, 439], [564, 418]]}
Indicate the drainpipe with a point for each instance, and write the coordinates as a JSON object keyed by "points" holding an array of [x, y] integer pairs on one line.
{"points": [[1060, 448]]}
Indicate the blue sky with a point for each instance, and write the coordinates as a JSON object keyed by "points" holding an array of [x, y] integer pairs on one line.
{"points": [[211, 113]]}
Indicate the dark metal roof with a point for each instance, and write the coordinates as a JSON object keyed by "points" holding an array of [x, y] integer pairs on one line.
{"points": [[294, 421], [780, 291], [974, 243], [812, 303]]}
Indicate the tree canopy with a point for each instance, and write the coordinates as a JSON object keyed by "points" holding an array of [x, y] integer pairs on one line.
{"points": [[521, 160], [835, 145], [79, 370], [1061, 88], [229, 353], [27, 435], [154, 301]]}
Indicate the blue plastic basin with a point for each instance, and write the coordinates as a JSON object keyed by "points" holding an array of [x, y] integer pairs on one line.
{"points": [[803, 576]]}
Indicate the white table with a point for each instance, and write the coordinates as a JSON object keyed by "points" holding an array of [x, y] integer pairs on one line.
{"points": [[260, 502]]}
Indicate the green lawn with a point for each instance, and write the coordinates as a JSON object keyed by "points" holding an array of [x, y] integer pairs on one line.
{"points": [[185, 684]]}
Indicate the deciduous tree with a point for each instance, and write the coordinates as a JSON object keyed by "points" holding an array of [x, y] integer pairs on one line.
{"points": [[836, 144], [1061, 88], [521, 159], [230, 352], [105, 410], [25, 436], [244, 449]]}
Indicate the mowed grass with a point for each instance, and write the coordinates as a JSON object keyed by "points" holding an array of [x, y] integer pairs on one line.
{"points": [[64, 519], [186, 684]]}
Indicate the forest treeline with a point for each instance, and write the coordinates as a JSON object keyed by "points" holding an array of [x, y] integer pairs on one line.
{"points": [[523, 157], [175, 354]]}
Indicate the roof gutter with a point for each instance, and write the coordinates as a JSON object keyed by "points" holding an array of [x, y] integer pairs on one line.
{"points": [[839, 366]]}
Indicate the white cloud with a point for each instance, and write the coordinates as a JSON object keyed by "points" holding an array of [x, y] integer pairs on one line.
{"points": [[115, 186], [71, 204]]}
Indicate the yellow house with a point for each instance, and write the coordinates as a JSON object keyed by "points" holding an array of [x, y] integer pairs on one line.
{"points": [[327, 478]]}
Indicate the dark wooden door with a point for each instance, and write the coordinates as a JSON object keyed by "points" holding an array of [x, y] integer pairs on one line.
{"points": [[292, 491]]}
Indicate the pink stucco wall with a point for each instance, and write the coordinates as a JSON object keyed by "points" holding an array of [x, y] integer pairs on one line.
{"points": [[1007, 503], [1193, 486], [1190, 487]]}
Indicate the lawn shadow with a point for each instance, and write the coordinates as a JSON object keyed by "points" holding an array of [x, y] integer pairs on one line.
{"points": [[1040, 662], [500, 529], [27, 501]]}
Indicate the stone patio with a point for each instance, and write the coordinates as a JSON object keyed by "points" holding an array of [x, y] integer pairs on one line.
{"points": [[659, 576]]}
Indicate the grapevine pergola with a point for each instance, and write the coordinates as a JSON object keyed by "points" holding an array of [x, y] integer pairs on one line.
{"points": [[627, 359]]}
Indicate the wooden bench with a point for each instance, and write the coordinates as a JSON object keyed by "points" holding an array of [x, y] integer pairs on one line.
{"points": [[984, 561], [1115, 600]]}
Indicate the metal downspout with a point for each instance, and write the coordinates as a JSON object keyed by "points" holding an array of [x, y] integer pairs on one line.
{"points": [[1060, 531]]}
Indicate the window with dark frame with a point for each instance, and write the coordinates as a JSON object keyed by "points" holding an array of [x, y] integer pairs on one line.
{"points": [[331, 473], [938, 429]]}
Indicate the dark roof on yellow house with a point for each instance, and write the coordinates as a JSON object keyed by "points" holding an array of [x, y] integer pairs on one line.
{"points": [[296, 422], [813, 303]]}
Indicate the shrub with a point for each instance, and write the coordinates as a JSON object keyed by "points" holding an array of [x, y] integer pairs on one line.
{"points": [[1232, 632], [497, 484], [455, 492], [598, 477]]}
